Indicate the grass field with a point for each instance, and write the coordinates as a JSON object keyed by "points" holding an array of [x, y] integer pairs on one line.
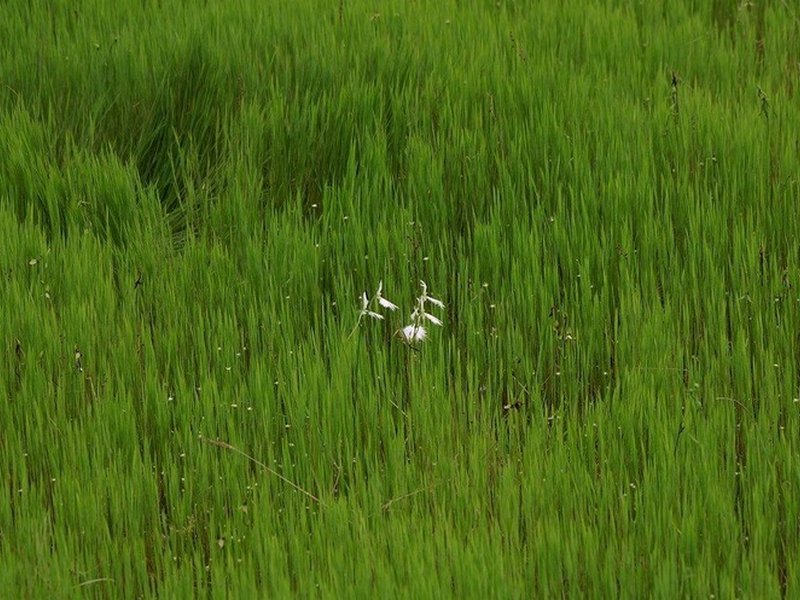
{"points": [[194, 195]]}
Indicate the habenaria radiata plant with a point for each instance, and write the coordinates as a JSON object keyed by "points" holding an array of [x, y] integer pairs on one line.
{"points": [[415, 331]]}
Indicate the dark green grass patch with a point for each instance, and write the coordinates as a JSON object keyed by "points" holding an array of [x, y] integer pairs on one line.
{"points": [[193, 199]]}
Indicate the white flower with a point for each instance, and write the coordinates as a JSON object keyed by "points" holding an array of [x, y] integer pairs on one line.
{"points": [[369, 307], [413, 333], [425, 298], [365, 311], [383, 301]]}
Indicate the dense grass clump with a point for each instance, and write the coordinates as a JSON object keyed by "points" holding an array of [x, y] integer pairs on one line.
{"points": [[193, 197]]}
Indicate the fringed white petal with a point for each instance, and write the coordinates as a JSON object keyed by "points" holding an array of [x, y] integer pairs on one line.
{"points": [[386, 304], [435, 302], [433, 319], [413, 333]]}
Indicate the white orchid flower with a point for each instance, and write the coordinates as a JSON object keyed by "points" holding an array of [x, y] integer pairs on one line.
{"points": [[413, 333], [365, 310], [425, 298], [383, 301]]}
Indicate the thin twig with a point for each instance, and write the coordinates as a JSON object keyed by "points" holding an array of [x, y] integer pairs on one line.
{"points": [[335, 489], [737, 402], [393, 403], [98, 580], [389, 503], [355, 328], [227, 446]]}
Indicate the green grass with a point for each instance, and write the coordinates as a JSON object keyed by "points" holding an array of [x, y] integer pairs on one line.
{"points": [[194, 196]]}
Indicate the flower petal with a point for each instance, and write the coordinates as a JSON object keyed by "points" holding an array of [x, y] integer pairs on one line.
{"points": [[433, 319], [386, 304], [435, 302], [413, 333]]}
